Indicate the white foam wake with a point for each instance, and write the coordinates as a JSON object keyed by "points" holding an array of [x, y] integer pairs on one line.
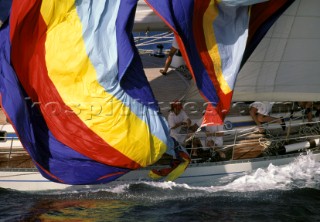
{"points": [[304, 171]]}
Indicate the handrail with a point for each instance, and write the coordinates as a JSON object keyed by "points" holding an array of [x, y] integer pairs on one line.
{"points": [[149, 39], [272, 140]]}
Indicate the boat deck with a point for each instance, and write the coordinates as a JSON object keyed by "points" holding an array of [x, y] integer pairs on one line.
{"points": [[168, 88]]}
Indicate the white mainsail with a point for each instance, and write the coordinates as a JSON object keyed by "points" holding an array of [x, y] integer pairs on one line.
{"points": [[286, 64]]}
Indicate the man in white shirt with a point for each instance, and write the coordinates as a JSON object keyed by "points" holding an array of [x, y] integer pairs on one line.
{"points": [[178, 121], [211, 133], [260, 113], [212, 138]]}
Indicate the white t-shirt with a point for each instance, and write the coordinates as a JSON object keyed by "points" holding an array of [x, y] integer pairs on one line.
{"points": [[263, 108], [173, 119], [218, 140]]}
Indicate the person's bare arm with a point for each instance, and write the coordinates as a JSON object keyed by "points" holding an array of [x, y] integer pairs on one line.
{"points": [[253, 114]]}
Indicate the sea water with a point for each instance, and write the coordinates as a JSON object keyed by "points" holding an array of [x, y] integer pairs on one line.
{"points": [[287, 193]]}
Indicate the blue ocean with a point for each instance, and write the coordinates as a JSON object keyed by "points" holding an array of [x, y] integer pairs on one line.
{"points": [[287, 193]]}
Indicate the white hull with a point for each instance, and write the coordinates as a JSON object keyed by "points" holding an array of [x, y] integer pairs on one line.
{"points": [[200, 174]]}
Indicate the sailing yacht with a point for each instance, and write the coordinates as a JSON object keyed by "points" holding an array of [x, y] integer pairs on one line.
{"points": [[284, 67]]}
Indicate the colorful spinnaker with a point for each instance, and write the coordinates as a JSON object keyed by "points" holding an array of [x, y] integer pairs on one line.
{"points": [[73, 86]]}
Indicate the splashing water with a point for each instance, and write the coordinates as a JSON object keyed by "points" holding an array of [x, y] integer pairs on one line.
{"points": [[303, 172]]}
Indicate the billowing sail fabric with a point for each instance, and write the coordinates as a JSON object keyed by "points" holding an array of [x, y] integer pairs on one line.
{"points": [[212, 36], [73, 86]]}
